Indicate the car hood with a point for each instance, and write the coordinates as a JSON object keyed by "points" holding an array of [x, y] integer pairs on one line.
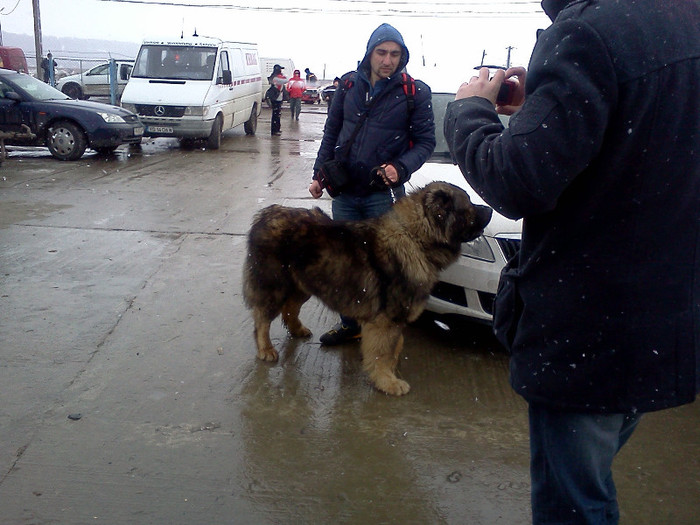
{"points": [[437, 171], [88, 105]]}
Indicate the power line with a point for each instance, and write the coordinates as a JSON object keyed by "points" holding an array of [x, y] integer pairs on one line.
{"points": [[386, 8]]}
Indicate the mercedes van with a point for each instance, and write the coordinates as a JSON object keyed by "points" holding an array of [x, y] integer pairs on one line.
{"points": [[195, 88]]}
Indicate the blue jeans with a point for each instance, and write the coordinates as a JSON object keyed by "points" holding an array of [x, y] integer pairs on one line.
{"points": [[571, 457], [275, 122], [349, 208]]}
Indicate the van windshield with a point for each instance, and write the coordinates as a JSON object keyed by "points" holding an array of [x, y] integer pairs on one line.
{"points": [[175, 62]]}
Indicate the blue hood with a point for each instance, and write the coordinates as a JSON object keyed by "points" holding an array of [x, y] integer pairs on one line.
{"points": [[385, 33]]}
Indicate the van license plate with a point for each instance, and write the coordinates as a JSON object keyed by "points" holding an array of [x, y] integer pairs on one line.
{"points": [[159, 129]]}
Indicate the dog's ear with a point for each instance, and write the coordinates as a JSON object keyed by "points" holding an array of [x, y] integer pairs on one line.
{"points": [[438, 204]]}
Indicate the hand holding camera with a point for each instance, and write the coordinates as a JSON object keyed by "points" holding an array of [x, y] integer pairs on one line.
{"points": [[505, 89]]}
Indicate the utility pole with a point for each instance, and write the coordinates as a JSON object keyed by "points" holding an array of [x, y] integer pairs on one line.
{"points": [[509, 48], [37, 38]]}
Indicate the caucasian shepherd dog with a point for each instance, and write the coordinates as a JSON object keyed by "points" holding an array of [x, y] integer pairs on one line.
{"points": [[379, 271]]}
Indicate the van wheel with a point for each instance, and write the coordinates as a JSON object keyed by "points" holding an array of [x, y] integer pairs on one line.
{"points": [[66, 140], [214, 140], [251, 125], [73, 90]]}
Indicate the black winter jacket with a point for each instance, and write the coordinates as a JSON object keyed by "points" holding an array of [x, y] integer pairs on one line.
{"points": [[601, 310], [390, 134]]}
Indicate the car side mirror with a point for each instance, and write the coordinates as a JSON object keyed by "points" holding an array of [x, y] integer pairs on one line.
{"points": [[13, 95], [225, 78]]}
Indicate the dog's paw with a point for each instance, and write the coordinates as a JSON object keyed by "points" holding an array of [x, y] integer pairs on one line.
{"points": [[392, 386], [302, 331], [268, 354]]}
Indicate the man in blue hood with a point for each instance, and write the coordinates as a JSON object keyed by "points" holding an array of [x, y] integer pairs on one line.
{"points": [[380, 129]]}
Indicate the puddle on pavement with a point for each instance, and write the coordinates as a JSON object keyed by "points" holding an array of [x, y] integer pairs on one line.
{"points": [[15, 212]]}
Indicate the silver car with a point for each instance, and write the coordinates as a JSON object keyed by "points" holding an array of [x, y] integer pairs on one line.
{"points": [[95, 81], [469, 286]]}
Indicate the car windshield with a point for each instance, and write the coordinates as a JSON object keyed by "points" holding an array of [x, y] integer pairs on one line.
{"points": [[440, 102], [35, 88], [175, 62]]}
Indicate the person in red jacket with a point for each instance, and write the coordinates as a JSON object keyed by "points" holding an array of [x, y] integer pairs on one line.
{"points": [[295, 87]]}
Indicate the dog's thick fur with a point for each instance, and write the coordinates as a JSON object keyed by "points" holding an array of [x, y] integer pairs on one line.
{"points": [[378, 271]]}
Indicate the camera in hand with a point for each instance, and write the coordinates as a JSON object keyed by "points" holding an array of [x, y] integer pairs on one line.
{"points": [[506, 94]]}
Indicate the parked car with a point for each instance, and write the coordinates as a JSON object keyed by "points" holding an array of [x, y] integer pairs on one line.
{"points": [[327, 93], [66, 126], [310, 96], [95, 81], [468, 287]]}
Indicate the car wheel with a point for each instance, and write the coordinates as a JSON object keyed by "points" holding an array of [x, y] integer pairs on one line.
{"points": [[214, 140], [251, 125], [73, 90], [66, 140]]}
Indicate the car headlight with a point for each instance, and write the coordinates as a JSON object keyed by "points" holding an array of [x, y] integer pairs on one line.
{"points": [[110, 117], [196, 111], [129, 107], [478, 249]]}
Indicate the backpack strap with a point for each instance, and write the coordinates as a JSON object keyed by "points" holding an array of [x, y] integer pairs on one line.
{"points": [[409, 89]]}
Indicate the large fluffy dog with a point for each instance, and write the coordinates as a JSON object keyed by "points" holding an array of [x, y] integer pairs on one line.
{"points": [[379, 271]]}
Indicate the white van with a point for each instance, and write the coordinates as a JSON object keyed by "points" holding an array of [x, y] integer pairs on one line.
{"points": [[195, 88]]}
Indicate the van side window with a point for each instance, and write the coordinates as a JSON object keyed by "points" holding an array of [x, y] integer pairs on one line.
{"points": [[223, 66]]}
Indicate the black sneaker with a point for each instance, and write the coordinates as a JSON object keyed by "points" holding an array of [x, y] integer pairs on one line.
{"points": [[339, 334]]}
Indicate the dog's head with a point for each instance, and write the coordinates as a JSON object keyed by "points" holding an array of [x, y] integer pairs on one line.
{"points": [[451, 212]]}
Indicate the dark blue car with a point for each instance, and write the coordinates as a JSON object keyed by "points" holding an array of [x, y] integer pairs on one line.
{"points": [[33, 113]]}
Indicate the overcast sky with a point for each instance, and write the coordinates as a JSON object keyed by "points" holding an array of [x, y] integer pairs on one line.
{"points": [[324, 35]]}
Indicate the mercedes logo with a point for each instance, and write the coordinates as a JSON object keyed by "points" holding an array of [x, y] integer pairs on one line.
{"points": [[159, 111]]}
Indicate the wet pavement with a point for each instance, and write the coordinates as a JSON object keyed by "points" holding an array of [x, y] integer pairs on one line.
{"points": [[131, 393]]}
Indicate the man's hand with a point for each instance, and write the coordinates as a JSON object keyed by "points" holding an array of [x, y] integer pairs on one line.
{"points": [[315, 189], [485, 87], [389, 174], [518, 75]]}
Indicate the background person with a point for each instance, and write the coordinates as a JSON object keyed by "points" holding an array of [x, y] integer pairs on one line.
{"points": [[392, 137], [48, 66], [278, 80], [310, 77], [601, 308], [295, 87]]}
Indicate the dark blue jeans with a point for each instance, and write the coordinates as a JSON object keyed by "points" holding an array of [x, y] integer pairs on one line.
{"points": [[275, 121], [349, 208], [571, 457]]}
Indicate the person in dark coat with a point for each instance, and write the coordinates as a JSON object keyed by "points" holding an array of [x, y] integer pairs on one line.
{"points": [[278, 81], [397, 136], [601, 308]]}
